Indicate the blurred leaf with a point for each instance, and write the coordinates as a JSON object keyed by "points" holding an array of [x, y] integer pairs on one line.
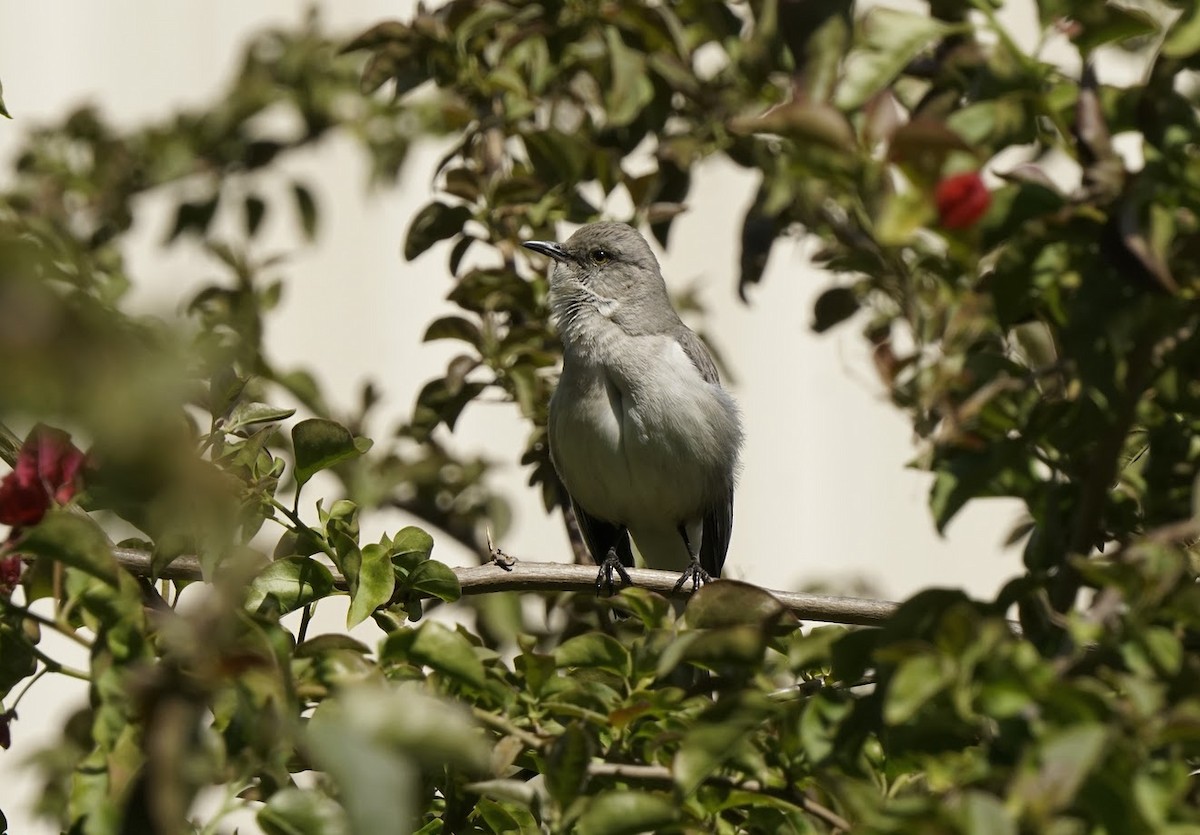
{"points": [[623, 812], [834, 306], [567, 764], [915, 682], [435, 646], [3, 110], [306, 206], [434, 223], [293, 811], [74, 540], [247, 414], [890, 40]]}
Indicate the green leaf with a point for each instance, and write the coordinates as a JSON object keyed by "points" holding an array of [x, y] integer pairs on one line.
{"points": [[1053, 772], [319, 445], [890, 40], [834, 306], [255, 210], [17, 661], [294, 811], [254, 414], [375, 778], [454, 327], [72, 539], [593, 649], [372, 584], [629, 89], [441, 649], [410, 545], [1182, 42], [1114, 24], [436, 579], [917, 680], [622, 812], [712, 741], [3, 110], [436, 733], [981, 813], [567, 762], [306, 206], [732, 603], [290, 583], [434, 223]]}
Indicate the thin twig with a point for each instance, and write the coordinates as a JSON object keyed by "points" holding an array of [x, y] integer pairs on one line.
{"points": [[662, 774], [505, 726], [559, 577], [22, 611]]}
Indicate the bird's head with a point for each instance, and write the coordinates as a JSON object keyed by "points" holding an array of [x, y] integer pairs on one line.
{"points": [[611, 260]]}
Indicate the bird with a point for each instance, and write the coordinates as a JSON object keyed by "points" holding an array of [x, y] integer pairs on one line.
{"points": [[643, 436]]}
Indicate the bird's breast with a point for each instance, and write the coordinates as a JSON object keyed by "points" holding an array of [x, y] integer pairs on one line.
{"points": [[642, 439]]}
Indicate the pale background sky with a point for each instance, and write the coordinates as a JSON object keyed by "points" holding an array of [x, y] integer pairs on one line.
{"points": [[824, 495]]}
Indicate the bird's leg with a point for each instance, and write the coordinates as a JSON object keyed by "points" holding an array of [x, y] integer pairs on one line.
{"points": [[604, 577], [694, 571]]}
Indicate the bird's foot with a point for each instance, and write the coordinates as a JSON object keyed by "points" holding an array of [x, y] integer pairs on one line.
{"points": [[604, 577], [695, 573]]}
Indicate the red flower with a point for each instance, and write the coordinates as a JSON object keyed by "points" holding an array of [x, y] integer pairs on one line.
{"points": [[962, 200], [47, 470]]}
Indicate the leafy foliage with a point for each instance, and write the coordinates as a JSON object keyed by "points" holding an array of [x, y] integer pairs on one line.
{"points": [[1040, 333]]}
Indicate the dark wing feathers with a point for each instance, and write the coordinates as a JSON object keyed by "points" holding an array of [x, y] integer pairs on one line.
{"points": [[718, 521], [698, 353]]}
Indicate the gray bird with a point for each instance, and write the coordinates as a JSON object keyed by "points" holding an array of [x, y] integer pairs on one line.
{"points": [[641, 432]]}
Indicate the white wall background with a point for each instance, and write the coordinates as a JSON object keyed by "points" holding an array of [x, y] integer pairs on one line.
{"points": [[824, 496]]}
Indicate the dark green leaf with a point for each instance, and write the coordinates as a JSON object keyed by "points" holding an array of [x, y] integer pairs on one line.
{"points": [[834, 306], [289, 584], [448, 652], [567, 764], [255, 210], [593, 649], [319, 445], [17, 661], [434, 223], [434, 579], [306, 206], [454, 327]]}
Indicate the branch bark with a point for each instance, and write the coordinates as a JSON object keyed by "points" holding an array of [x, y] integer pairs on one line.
{"points": [[558, 577]]}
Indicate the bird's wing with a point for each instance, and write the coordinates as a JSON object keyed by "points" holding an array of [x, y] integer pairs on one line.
{"points": [[718, 521], [718, 528], [698, 353]]}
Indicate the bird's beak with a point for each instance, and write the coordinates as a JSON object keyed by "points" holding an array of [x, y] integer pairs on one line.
{"points": [[548, 248]]}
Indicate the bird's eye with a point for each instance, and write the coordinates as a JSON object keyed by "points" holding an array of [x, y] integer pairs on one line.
{"points": [[600, 256]]}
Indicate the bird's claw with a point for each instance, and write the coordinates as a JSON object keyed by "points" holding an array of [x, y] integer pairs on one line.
{"points": [[604, 577], [694, 572]]}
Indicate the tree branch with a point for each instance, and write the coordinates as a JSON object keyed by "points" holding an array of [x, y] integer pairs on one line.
{"points": [[558, 577], [662, 774]]}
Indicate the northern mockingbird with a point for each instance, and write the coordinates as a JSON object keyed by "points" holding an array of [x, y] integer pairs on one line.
{"points": [[641, 432]]}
